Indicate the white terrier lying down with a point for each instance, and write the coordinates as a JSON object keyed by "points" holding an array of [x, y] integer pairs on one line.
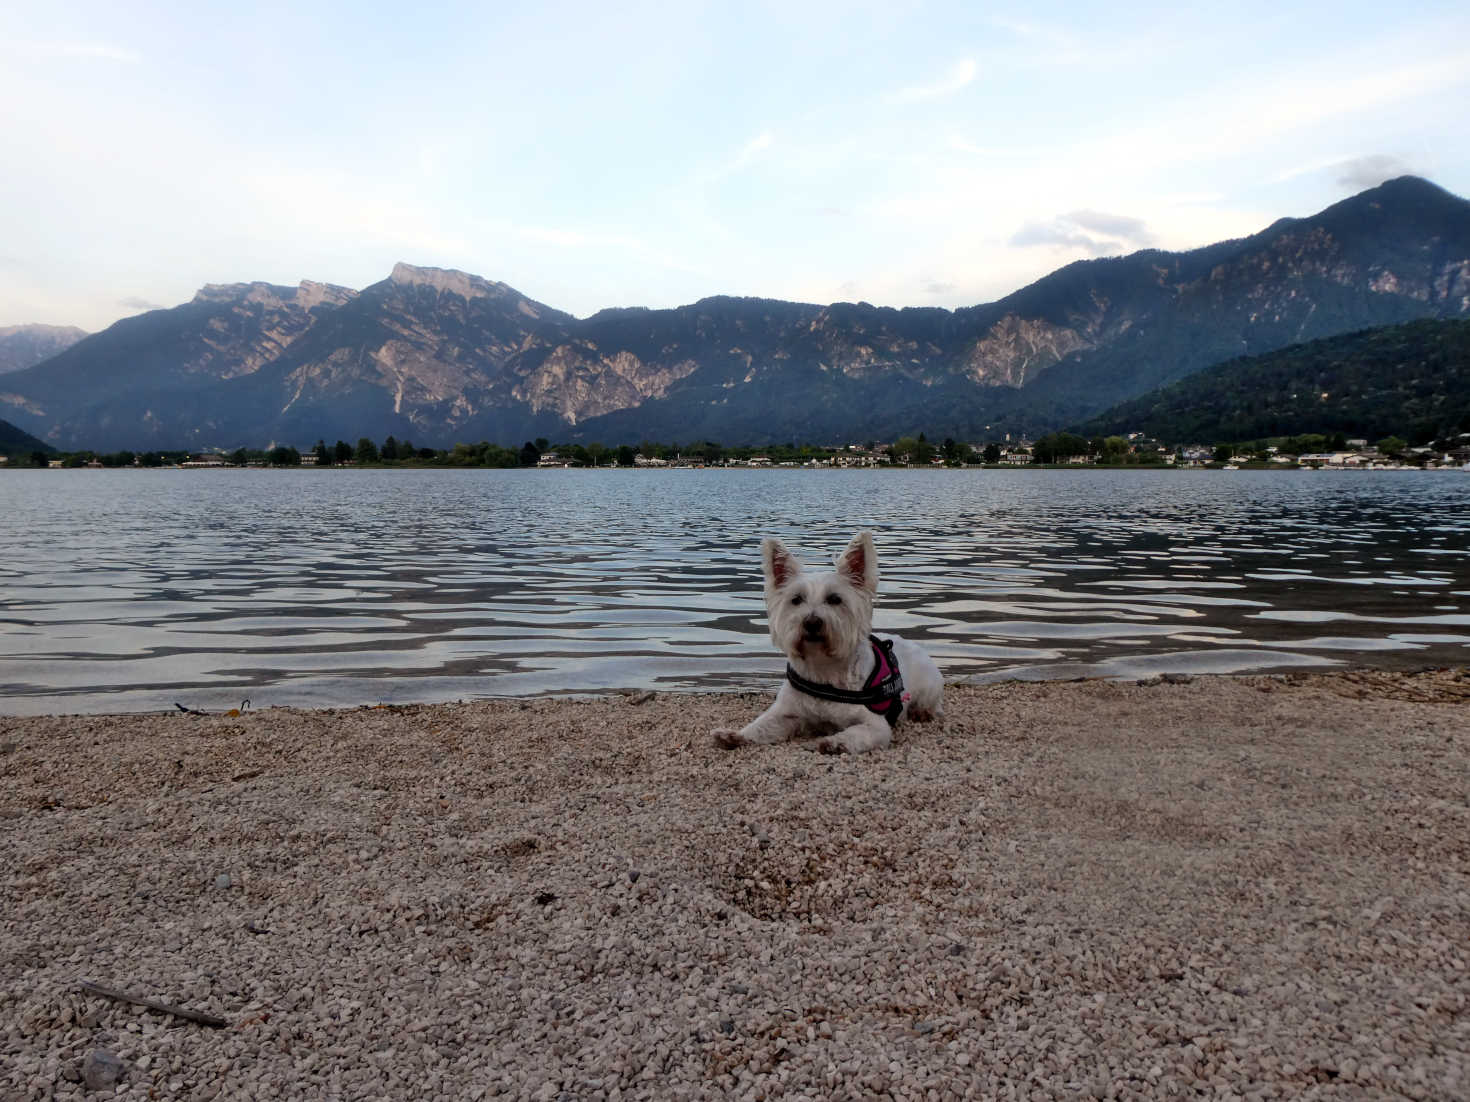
{"points": [[842, 681]]}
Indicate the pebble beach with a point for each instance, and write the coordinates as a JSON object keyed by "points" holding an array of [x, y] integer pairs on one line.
{"points": [[1224, 887]]}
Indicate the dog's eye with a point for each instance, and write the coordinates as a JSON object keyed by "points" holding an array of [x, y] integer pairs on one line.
{"points": [[797, 599], [834, 599]]}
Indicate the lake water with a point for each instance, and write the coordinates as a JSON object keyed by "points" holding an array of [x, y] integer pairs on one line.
{"points": [[131, 590]]}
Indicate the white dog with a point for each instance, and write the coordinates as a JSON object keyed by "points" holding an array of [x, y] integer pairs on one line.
{"points": [[842, 681]]}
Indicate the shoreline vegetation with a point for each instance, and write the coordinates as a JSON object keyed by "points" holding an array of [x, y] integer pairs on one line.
{"points": [[1054, 450], [1229, 885]]}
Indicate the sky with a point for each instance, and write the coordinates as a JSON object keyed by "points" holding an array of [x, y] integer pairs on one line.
{"points": [[651, 154]]}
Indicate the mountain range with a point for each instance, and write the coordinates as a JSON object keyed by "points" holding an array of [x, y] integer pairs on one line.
{"points": [[442, 356], [21, 346]]}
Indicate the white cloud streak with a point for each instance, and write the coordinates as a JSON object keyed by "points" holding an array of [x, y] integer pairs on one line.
{"points": [[95, 51], [957, 77]]}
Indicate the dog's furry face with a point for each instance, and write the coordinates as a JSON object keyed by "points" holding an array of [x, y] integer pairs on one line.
{"points": [[820, 617]]}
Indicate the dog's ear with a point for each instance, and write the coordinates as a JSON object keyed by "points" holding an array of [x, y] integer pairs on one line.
{"points": [[780, 564], [859, 563]]}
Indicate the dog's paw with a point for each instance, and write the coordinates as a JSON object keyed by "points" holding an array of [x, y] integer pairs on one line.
{"points": [[727, 737], [829, 745]]}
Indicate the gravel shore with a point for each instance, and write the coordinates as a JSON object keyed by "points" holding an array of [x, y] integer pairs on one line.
{"points": [[1252, 886]]}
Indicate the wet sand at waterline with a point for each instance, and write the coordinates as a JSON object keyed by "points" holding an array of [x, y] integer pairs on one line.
{"points": [[1254, 885]]}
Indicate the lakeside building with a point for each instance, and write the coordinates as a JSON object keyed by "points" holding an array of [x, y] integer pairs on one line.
{"points": [[1337, 459]]}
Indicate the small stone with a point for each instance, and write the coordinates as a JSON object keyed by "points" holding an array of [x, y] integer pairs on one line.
{"points": [[1178, 678], [633, 875], [101, 1069], [222, 882]]}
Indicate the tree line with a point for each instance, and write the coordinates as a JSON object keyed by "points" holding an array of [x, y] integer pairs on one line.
{"points": [[1052, 448], [394, 452]]}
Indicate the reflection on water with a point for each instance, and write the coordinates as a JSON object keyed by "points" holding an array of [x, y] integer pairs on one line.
{"points": [[130, 590]]}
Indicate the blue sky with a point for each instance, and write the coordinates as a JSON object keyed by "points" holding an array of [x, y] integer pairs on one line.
{"points": [[593, 155]]}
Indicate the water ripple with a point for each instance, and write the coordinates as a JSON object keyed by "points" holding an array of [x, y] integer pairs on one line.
{"points": [[129, 590]]}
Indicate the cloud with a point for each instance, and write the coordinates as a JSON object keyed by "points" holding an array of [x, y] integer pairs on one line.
{"points": [[1094, 232], [751, 150], [132, 302], [959, 75], [756, 144], [1360, 173], [1055, 232], [102, 51], [964, 145], [937, 287], [745, 157], [1119, 226]]}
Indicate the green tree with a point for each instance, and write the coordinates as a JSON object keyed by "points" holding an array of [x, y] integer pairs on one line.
{"points": [[367, 451], [530, 454], [625, 455], [1223, 452], [389, 452], [1056, 447], [992, 453], [283, 456], [342, 452], [1392, 446], [239, 457], [323, 457]]}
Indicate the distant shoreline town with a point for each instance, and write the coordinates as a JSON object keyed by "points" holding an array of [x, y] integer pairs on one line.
{"points": [[1053, 450]]}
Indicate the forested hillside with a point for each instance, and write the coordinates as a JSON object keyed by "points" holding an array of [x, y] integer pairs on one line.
{"points": [[1410, 380]]}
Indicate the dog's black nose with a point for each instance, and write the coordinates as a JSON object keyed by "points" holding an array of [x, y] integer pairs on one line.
{"points": [[812, 627]]}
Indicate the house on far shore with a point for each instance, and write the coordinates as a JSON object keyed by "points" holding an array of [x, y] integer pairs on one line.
{"points": [[641, 460], [207, 459], [1336, 459]]}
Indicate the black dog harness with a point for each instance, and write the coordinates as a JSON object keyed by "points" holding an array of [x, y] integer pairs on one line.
{"points": [[881, 693]]}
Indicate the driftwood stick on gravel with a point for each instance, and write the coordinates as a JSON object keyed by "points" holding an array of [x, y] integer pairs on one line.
{"points": [[152, 1004]]}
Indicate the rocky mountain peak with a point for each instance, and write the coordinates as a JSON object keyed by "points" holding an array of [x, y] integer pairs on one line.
{"points": [[305, 296], [21, 346], [311, 294], [447, 279]]}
